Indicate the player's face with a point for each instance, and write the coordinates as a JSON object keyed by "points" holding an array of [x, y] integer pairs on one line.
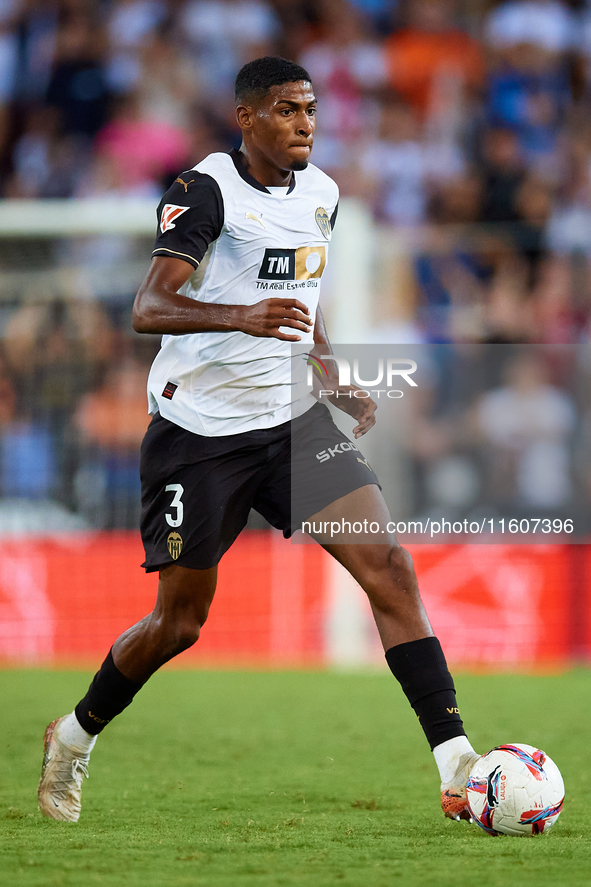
{"points": [[283, 125]]}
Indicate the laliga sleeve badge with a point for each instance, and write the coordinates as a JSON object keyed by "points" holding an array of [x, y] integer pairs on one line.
{"points": [[323, 222], [175, 545], [171, 212]]}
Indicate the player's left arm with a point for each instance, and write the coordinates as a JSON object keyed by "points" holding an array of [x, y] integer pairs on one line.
{"points": [[361, 408]]}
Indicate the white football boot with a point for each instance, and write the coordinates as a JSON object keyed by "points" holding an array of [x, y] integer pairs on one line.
{"points": [[62, 773], [453, 793]]}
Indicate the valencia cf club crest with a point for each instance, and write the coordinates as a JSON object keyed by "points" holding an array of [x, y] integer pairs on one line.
{"points": [[171, 212], [323, 222], [175, 545]]}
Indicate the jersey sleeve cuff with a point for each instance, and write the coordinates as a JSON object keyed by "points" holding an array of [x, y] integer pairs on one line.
{"points": [[162, 251]]}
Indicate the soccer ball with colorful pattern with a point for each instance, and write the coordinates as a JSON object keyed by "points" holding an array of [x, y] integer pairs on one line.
{"points": [[515, 789]]}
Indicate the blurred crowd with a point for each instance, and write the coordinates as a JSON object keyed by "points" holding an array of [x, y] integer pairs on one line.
{"points": [[73, 412], [463, 124], [500, 430]]}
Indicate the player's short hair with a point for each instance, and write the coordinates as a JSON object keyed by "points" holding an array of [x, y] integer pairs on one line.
{"points": [[256, 78]]}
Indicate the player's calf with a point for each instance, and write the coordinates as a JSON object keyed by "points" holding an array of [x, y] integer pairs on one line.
{"points": [[422, 671], [182, 607], [183, 602], [386, 574]]}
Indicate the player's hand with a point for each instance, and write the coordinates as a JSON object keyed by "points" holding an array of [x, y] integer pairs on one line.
{"points": [[265, 318], [361, 408]]}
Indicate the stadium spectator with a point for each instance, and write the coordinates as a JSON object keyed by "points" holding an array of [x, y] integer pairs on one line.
{"points": [[8, 62], [533, 204], [452, 273], [55, 349], [223, 34], [400, 167], [508, 307], [561, 300], [46, 162], [503, 172], [130, 25], [77, 85], [143, 149], [28, 461], [7, 392], [546, 24], [111, 422], [208, 132], [29, 46], [526, 426], [430, 48], [169, 85], [379, 13], [569, 227], [347, 68], [529, 94]]}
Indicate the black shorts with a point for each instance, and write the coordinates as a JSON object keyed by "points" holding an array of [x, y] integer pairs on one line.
{"points": [[197, 491]]}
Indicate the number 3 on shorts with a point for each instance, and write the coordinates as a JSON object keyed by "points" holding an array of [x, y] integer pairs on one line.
{"points": [[177, 503]]}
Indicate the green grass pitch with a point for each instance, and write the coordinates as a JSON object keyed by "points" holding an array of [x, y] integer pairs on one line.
{"points": [[258, 779]]}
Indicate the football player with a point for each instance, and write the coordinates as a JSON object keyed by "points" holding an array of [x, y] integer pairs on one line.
{"points": [[228, 433]]}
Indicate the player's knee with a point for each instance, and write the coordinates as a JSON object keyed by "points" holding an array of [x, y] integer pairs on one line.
{"points": [[187, 636], [389, 577], [183, 636], [400, 564], [173, 635]]}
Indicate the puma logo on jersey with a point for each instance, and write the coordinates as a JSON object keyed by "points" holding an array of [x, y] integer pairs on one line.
{"points": [[183, 183], [256, 218], [171, 212], [367, 465]]}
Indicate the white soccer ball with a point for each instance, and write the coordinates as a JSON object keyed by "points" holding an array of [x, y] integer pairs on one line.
{"points": [[515, 789]]}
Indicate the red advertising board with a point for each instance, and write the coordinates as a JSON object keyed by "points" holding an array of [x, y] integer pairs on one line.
{"points": [[64, 601], [498, 605]]}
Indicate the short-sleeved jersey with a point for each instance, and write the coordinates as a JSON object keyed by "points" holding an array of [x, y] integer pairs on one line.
{"points": [[260, 244]]}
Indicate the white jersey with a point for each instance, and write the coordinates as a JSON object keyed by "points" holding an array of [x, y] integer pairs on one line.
{"points": [[261, 244]]}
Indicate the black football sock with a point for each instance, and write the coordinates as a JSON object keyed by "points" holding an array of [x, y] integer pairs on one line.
{"points": [[422, 671], [109, 693]]}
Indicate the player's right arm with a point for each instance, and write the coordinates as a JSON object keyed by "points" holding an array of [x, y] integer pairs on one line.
{"points": [[159, 308], [190, 217]]}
